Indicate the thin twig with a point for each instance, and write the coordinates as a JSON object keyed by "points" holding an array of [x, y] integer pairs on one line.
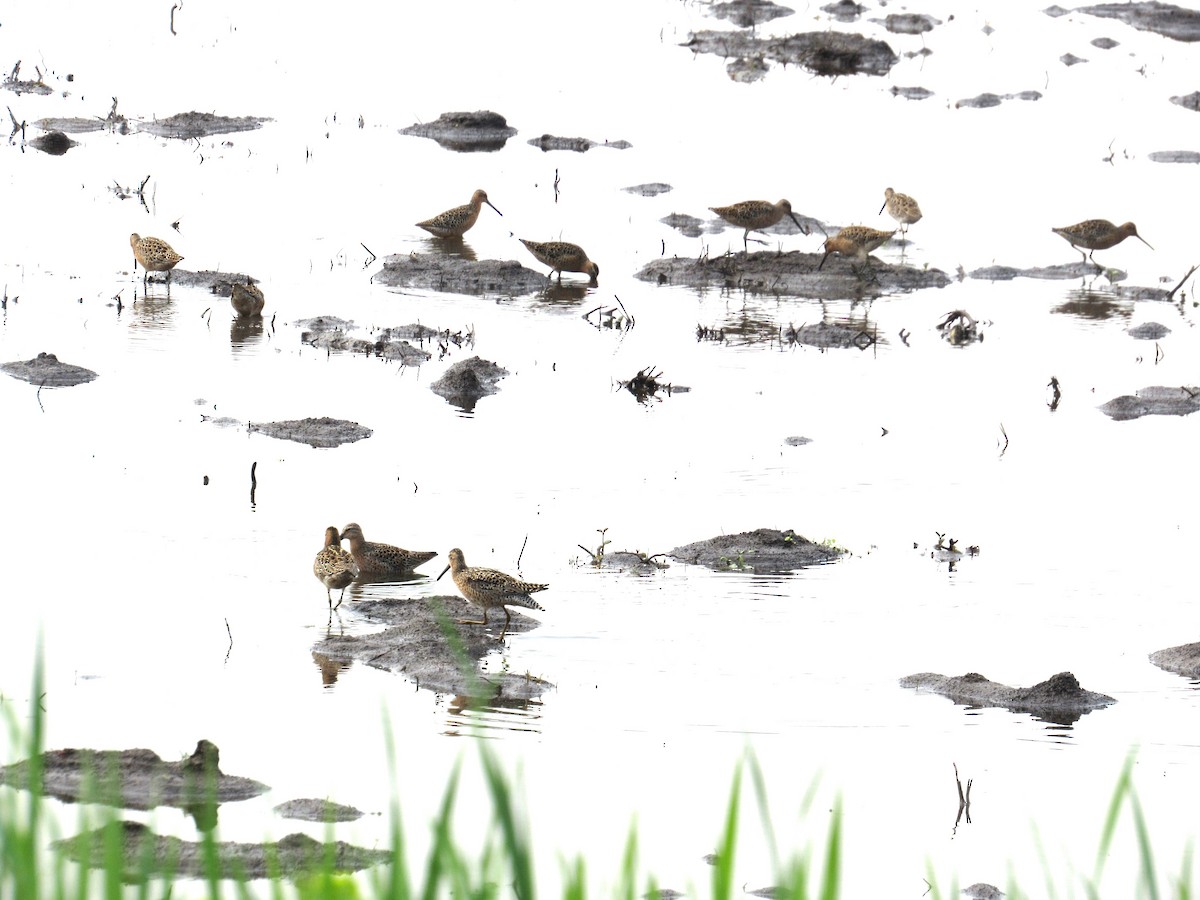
{"points": [[1170, 295], [522, 553]]}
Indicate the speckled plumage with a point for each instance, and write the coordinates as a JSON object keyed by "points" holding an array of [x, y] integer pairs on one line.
{"points": [[855, 240], [561, 257], [247, 300], [155, 254], [380, 561], [334, 567], [1098, 234], [901, 207], [756, 215], [455, 222], [490, 589]]}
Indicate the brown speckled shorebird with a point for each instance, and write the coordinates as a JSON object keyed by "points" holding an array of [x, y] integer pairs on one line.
{"points": [[247, 300], [902, 208], [454, 222], [1098, 234], [562, 257], [377, 562], [755, 215], [334, 567], [489, 589], [855, 240], [155, 255]]}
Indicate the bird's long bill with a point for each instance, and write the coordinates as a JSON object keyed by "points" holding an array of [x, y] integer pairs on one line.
{"points": [[1143, 240], [492, 205], [444, 571], [882, 208], [792, 216]]}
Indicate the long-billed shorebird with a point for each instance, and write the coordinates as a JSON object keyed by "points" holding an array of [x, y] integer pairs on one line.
{"points": [[755, 215], [561, 257], [155, 255], [490, 589], [902, 208], [454, 222], [1097, 234], [334, 567], [247, 300], [855, 240], [378, 562]]}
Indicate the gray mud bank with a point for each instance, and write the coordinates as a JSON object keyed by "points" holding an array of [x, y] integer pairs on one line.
{"points": [[415, 644], [1182, 660], [45, 369], [762, 550], [1059, 699], [457, 275]]}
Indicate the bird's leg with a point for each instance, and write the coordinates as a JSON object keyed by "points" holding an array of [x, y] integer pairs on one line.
{"points": [[483, 621], [504, 630]]}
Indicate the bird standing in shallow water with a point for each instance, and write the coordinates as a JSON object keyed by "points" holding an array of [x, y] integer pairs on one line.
{"points": [[902, 208], [378, 562], [561, 257], [454, 222], [155, 255], [755, 215], [1098, 234], [489, 589], [855, 240], [247, 300], [334, 567]]}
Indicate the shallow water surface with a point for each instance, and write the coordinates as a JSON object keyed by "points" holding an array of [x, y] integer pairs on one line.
{"points": [[174, 604]]}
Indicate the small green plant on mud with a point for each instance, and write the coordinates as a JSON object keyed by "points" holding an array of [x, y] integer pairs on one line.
{"points": [[597, 556], [737, 561]]}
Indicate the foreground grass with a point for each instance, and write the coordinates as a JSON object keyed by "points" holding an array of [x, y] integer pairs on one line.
{"points": [[29, 870]]}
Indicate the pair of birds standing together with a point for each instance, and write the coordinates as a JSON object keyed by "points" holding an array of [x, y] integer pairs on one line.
{"points": [[156, 255], [372, 561], [560, 256]]}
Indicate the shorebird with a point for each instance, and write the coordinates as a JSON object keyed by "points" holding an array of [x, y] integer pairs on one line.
{"points": [[1098, 234], [856, 241], [562, 257], [334, 567], [454, 222], [247, 300], [489, 589], [902, 208], [755, 215], [154, 254], [378, 562]]}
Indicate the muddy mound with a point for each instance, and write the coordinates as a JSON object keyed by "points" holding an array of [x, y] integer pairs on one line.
{"points": [[415, 643], [793, 274], [1059, 699], [456, 275], [1161, 18], [323, 432], [45, 370], [54, 142], [822, 52], [468, 380], [762, 550], [1183, 660], [190, 125], [144, 852], [482, 130], [313, 810], [135, 779], [1155, 400]]}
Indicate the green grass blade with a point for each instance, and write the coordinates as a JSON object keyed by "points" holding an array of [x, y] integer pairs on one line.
{"points": [[723, 869]]}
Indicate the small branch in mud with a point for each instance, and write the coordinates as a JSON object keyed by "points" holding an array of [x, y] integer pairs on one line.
{"points": [[40, 386], [522, 553], [645, 384], [207, 316], [597, 556], [253, 481], [964, 798], [1171, 293], [228, 631], [17, 126], [369, 250], [1056, 394], [556, 182], [174, 7], [1004, 434]]}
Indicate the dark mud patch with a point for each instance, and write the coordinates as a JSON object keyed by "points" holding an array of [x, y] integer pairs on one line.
{"points": [[457, 275], [322, 324], [1162, 18], [912, 93], [1148, 331], [145, 853], [762, 550], [908, 23], [469, 380], [1175, 156], [792, 274], [415, 644], [71, 124], [214, 282], [1063, 272], [688, 226], [20, 87], [651, 189], [1104, 43], [46, 370], [55, 143], [831, 335], [829, 53], [1191, 101], [323, 432], [1059, 699], [1155, 400], [1182, 660], [189, 125], [330, 333], [844, 10], [988, 100], [314, 810], [748, 13], [1070, 59], [482, 130], [548, 142], [135, 779]]}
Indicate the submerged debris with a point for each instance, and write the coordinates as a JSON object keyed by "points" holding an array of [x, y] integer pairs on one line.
{"points": [[1156, 400], [822, 52], [54, 143], [959, 327], [549, 142], [652, 189], [645, 386], [986, 100], [189, 125]]}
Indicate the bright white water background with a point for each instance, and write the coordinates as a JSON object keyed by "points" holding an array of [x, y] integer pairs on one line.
{"points": [[129, 567]]}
